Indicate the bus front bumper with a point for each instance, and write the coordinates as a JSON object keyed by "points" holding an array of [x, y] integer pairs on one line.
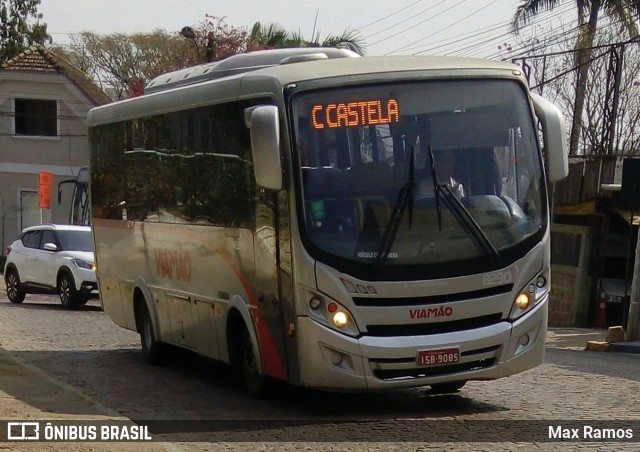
{"points": [[333, 361]]}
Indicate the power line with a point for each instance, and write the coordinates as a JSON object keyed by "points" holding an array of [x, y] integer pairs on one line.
{"points": [[388, 15], [469, 36], [406, 20], [569, 36], [456, 23], [447, 42], [422, 22]]}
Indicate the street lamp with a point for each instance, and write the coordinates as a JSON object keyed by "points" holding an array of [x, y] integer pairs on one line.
{"points": [[190, 33]]}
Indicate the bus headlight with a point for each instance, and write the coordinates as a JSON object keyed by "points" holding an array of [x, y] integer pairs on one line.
{"points": [[330, 313], [530, 295], [522, 301], [340, 319]]}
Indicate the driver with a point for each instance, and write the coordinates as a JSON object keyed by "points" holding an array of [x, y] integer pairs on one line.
{"points": [[445, 165]]}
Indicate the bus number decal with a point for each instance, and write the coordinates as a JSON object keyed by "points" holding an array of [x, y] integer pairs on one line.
{"points": [[491, 279], [173, 262]]}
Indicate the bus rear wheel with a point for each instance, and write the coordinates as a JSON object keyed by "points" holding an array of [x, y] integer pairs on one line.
{"points": [[152, 349]]}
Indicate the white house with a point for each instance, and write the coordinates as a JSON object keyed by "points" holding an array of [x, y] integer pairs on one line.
{"points": [[44, 102]]}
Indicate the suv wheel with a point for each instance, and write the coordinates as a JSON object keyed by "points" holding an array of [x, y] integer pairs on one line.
{"points": [[14, 291], [67, 291]]}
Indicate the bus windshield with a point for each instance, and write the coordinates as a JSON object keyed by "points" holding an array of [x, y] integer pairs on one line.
{"points": [[418, 173]]}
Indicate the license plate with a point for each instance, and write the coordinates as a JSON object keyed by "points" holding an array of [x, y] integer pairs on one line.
{"points": [[440, 357]]}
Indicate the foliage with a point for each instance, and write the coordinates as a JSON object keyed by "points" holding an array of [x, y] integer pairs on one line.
{"points": [[216, 40], [622, 12], [552, 76], [272, 35], [17, 30], [122, 64]]}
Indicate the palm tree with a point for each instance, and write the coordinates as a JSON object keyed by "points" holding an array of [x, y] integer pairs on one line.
{"points": [[275, 36], [624, 11], [268, 35]]}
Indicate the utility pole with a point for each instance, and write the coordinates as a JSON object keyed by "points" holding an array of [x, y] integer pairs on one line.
{"points": [[633, 322]]}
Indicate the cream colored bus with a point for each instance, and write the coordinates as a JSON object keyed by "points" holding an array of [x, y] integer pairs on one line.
{"points": [[333, 221]]}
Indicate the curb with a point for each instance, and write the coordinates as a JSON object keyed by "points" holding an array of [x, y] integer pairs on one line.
{"points": [[614, 342], [597, 346], [625, 347]]}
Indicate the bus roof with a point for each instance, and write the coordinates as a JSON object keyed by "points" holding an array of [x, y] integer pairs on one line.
{"points": [[268, 78]]}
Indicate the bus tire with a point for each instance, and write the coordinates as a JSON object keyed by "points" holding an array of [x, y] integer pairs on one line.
{"points": [[247, 366], [152, 349], [447, 388]]}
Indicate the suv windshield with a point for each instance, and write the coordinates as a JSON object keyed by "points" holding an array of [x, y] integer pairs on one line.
{"points": [[426, 173], [75, 240]]}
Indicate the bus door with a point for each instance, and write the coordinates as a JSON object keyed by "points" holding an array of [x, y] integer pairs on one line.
{"points": [[273, 308]]}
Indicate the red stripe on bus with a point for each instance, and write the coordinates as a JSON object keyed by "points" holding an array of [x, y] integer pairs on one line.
{"points": [[271, 360]]}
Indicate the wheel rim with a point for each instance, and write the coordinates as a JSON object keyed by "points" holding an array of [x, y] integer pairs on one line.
{"points": [[65, 291], [12, 286]]}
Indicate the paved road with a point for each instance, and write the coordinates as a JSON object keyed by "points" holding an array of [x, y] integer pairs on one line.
{"points": [[58, 364]]}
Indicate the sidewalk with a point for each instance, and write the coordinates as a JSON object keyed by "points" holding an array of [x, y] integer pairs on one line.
{"points": [[577, 338], [574, 338]]}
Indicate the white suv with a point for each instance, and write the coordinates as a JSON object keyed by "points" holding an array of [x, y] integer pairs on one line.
{"points": [[52, 258]]}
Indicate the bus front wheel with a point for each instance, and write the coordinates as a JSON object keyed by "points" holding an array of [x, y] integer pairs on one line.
{"points": [[447, 388], [246, 365]]}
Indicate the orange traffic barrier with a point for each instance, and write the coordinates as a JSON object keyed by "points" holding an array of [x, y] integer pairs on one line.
{"points": [[601, 311]]}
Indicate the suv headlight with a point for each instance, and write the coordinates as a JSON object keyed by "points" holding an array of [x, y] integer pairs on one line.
{"points": [[84, 264], [330, 313], [531, 294]]}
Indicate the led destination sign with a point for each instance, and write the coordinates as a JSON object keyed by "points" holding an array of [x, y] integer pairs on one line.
{"points": [[353, 114]]}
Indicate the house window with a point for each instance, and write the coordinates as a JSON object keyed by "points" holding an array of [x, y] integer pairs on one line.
{"points": [[36, 117]]}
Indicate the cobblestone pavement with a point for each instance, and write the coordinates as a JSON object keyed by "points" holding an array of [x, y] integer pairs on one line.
{"points": [[57, 364]]}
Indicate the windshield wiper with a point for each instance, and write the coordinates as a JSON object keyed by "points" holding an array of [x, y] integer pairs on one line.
{"points": [[467, 221], [405, 198], [436, 187], [460, 212]]}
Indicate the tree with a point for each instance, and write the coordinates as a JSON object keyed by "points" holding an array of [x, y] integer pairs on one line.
{"points": [[218, 39], [623, 11], [121, 64], [265, 36], [549, 61], [16, 31]]}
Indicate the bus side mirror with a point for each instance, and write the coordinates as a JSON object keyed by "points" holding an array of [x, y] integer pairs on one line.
{"points": [[265, 146], [555, 138]]}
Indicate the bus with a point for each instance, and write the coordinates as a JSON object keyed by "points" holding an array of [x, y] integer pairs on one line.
{"points": [[286, 212], [79, 208]]}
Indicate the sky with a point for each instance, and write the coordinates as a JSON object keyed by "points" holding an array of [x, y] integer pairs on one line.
{"points": [[461, 27]]}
